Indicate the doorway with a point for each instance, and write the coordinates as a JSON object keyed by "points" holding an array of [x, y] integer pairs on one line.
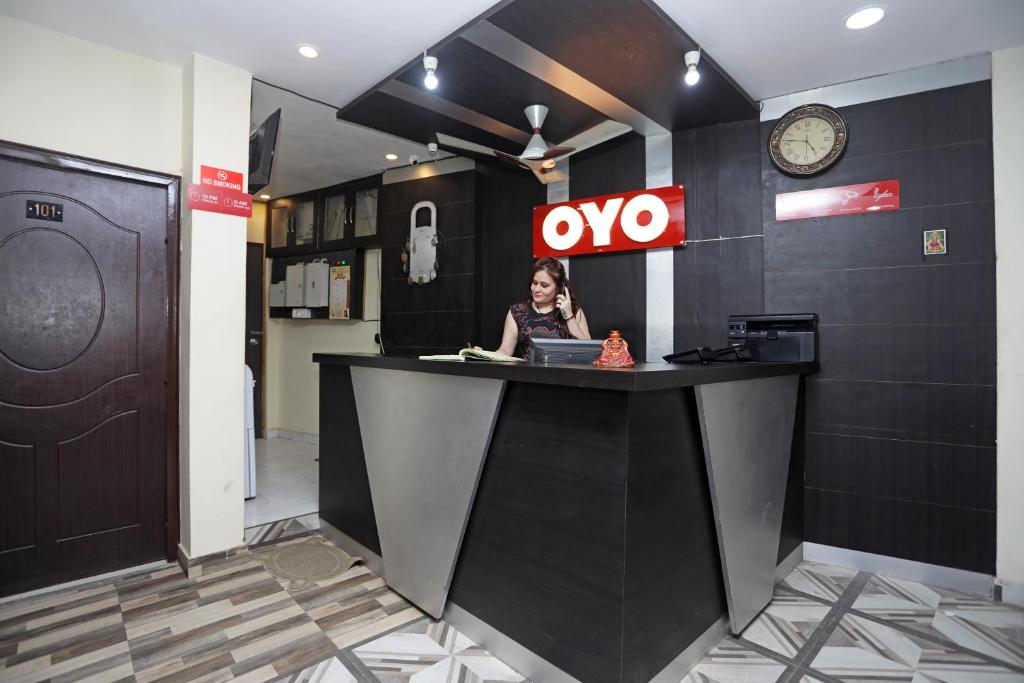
{"points": [[254, 337], [88, 367]]}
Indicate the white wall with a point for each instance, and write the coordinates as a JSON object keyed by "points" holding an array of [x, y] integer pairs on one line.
{"points": [[215, 132], [293, 380], [77, 97], [1007, 152]]}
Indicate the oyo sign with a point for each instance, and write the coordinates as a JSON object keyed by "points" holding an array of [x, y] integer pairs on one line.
{"points": [[645, 219]]}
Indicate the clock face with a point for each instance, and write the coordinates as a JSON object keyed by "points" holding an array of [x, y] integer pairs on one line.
{"points": [[807, 140]]}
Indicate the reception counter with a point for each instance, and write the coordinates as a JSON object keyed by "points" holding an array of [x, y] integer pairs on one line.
{"points": [[581, 524]]}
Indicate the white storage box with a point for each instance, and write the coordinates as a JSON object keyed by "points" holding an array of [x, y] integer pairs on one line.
{"points": [[316, 285], [294, 285]]}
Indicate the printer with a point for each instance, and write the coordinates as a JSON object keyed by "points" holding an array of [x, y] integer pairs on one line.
{"points": [[787, 337]]}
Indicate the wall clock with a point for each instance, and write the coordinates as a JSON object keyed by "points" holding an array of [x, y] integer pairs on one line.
{"points": [[807, 140]]}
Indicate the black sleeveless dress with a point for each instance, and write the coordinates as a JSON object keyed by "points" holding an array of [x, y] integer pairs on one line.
{"points": [[549, 325]]}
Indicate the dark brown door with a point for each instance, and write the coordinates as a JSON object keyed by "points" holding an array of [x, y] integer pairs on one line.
{"points": [[86, 317], [254, 325]]}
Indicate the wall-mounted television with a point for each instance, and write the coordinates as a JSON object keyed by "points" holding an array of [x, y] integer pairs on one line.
{"points": [[261, 152]]}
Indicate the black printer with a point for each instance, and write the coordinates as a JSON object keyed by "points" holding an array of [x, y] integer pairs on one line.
{"points": [[790, 337]]}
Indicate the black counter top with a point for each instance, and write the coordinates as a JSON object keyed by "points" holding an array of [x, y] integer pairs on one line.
{"points": [[644, 377]]}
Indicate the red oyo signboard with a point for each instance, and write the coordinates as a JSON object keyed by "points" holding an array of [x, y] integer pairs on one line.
{"points": [[883, 195], [644, 219], [219, 200], [210, 176]]}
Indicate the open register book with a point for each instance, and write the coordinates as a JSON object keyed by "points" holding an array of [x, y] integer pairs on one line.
{"points": [[472, 355]]}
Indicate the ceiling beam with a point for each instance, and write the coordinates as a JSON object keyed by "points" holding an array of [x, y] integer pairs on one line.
{"points": [[504, 45]]}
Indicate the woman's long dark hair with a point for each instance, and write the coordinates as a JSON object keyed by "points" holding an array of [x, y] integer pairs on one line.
{"points": [[556, 270]]}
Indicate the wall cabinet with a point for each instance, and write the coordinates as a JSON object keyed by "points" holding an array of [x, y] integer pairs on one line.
{"points": [[338, 217], [292, 225], [350, 215]]}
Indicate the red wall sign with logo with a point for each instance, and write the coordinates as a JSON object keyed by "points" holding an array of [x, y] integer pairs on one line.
{"points": [[219, 200], [883, 195], [219, 191], [645, 219], [218, 177]]}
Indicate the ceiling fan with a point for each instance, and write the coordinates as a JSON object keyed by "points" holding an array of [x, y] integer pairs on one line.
{"points": [[538, 156]]}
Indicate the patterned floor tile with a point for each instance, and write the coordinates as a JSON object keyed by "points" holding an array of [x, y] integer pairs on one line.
{"points": [[328, 671], [860, 649], [786, 624], [275, 532], [975, 623], [431, 652], [732, 662], [820, 580]]}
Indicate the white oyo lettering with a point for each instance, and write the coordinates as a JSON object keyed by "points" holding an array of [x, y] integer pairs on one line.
{"points": [[574, 223], [602, 220], [638, 205]]}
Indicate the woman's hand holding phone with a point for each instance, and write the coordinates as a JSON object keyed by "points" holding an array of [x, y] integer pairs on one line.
{"points": [[563, 302]]}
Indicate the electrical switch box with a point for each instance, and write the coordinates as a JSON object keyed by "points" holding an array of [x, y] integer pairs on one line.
{"points": [[295, 285], [276, 297], [316, 284]]}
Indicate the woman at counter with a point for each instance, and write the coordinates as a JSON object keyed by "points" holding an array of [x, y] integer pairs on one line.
{"points": [[552, 311]]}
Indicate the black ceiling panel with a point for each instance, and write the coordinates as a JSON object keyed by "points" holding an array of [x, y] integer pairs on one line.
{"points": [[476, 79], [628, 48], [631, 51], [406, 120]]}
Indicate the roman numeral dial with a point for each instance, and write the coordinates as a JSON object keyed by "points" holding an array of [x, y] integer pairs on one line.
{"points": [[807, 140]]}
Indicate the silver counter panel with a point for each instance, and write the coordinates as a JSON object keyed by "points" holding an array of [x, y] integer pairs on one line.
{"points": [[424, 437], [747, 430]]}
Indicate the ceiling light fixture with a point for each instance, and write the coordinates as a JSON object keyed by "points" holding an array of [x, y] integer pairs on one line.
{"points": [[865, 17], [391, 157], [264, 196], [308, 51], [430, 64], [691, 58]]}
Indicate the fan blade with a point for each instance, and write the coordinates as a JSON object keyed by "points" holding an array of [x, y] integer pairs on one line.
{"points": [[545, 175], [509, 159], [602, 132], [457, 144], [558, 152]]}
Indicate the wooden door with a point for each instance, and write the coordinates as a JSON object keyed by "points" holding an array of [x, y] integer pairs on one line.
{"points": [[254, 336], [88, 370]]}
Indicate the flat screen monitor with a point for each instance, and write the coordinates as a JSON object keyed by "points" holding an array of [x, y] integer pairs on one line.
{"points": [[261, 152], [579, 351]]}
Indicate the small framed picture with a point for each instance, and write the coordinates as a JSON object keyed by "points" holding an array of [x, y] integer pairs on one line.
{"points": [[934, 242]]}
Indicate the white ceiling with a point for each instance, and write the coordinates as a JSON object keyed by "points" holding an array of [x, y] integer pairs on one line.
{"points": [[769, 47], [315, 149], [777, 47]]}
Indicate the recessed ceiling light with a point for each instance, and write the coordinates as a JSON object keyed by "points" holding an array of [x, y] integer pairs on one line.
{"points": [[308, 51], [264, 196], [864, 17], [390, 157]]}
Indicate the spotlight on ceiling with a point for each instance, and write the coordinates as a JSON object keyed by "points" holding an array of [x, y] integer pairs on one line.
{"points": [[264, 196], [308, 51], [391, 157], [691, 58], [864, 17], [430, 64]]}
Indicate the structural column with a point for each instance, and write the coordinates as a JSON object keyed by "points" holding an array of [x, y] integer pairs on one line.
{"points": [[215, 132]]}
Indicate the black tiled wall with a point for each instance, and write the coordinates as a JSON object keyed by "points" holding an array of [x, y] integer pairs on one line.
{"points": [[612, 287], [900, 424], [437, 317]]}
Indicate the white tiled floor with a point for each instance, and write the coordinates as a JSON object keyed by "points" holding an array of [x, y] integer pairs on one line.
{"points": [[286, 481]]}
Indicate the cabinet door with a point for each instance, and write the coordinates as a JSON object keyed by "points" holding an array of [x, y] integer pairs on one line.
{"points": [[305, 223], [365, 227], [337, 226], [280, 227]]}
